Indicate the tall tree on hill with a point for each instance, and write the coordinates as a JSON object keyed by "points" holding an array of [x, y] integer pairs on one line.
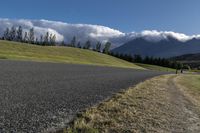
{"points": [[137, 58], [63, 43], [19, 34], [87, 45], [46, 39], [26, 38], [146, 60], [79, 45], [13, 34], [6, 35], [106, 49], [41, 40], [98, 47], [73, 41], [37, 41], [52, 39], [31, 36]]}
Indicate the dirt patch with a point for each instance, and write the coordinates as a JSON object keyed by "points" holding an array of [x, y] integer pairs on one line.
{"points": [[156, 105]]}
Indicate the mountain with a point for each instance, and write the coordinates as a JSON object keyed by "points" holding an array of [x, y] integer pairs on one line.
{"points": [[168, 47]]}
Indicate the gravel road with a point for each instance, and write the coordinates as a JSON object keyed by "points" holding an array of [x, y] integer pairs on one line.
{"points": [[42, 97]]}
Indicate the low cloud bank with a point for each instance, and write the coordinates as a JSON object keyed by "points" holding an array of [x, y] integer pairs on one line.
{"points": [[84, 32]]}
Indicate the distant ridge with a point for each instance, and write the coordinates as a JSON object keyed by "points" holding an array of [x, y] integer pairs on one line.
{"points": [[169, 47]]}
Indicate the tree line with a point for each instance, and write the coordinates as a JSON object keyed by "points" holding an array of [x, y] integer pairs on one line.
{"points": [[98, 47], [19, 35], [150, 60]]}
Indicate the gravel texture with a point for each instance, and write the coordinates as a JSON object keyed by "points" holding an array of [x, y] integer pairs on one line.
{"points": [[43, 97]]}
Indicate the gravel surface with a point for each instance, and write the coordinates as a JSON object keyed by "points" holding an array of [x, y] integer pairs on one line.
{"points": [[42, 97]]}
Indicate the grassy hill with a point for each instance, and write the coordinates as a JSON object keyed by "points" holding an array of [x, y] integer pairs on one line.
{"points": [[20, 51]]}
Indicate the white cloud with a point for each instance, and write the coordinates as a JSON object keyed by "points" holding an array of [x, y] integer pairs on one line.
{"points": [[27, 24], [160, 35], [83, 32]]}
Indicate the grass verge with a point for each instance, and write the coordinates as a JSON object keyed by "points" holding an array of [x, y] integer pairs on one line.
{"points": [[151, 106], [20, 51], [138, 109], [198, 71], [156, 68], [190, 85]]}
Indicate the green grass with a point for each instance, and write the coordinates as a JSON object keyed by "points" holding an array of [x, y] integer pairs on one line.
{"points": [[20, 51], [190, 86], [156, 68], [192, 83], [195, 71]]}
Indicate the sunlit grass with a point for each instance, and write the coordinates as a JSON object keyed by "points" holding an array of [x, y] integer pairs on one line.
{"points": [[156, 68], [20, 51], [191, 85]]}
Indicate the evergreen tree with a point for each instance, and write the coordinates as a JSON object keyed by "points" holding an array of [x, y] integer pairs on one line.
{"points": [[128, 57], [73, 42], [106, 49], [41, 40], [31, 36], [146, 60], [37, 41], [26, 38], [151, 61], [79, 45], [179, 65], [98, 47], [87, 45], [137, 58], [19, 34], [46, 39], [117, 55], [13, 34], [52, 39], [6, 34], [63, 43]]}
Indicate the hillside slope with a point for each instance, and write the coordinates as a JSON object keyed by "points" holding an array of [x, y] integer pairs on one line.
{"points": [[20, 51], [193, 60], [165, 48]]}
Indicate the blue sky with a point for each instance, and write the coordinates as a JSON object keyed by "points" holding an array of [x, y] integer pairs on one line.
{"points": [[124, 15]]}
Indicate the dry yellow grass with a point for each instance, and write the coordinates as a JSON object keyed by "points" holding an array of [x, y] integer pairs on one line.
{"points": [[156, 105], [190, 86]]}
